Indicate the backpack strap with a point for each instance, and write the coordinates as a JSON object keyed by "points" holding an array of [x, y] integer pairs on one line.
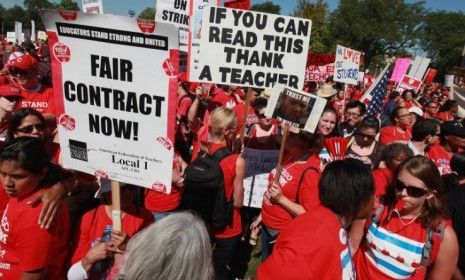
{"points": [[438, 232], [220, 154], [301, 179]]}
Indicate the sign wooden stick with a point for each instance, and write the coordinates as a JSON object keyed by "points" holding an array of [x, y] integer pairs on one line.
{"points": [[116, 205], [247, 106], [279, 167]]}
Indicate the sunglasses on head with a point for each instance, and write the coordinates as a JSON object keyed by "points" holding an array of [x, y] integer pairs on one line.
{"points": [[411, 190], [29, 128]]}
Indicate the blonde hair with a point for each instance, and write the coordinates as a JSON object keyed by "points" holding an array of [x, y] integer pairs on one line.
{"points": [[220, 119]]}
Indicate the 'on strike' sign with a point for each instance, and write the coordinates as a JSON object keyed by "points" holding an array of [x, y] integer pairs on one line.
{"points": [[255, 49]]}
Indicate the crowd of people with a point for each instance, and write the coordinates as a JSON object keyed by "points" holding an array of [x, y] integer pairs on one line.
{"points": [[393, 208]]}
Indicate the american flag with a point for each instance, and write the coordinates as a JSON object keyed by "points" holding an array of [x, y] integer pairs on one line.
{"points": [[374, 96]]}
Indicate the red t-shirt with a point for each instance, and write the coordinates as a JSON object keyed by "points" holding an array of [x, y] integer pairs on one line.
{"points": [[274, 215], [392, 250], [224, 100], [313, 246], [381, 177], [445, 116], [25, 247], [183, 106], [270, 143], [441, 158], [239, 109], [391, 134], [41, 100], [157, 201], [93, 224], [228, 166]]}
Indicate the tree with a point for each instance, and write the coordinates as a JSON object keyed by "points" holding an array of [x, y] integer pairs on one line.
{"points": [[376, 27], [147, 13], [267, 7], [69, 5], [32, 12], [320, 39], [15, 13], [443, 39]]}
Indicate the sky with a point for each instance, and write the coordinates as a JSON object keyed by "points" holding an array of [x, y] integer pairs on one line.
{"points": [[121, 7]]}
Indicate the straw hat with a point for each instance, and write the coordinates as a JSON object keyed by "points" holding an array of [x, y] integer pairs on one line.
{"points": [[326, 91]]}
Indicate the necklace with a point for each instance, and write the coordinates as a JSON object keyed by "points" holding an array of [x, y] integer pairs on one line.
{"points": [[402, 219]]}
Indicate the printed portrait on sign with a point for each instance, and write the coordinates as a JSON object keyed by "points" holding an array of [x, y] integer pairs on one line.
{"points": [[293, 107]]}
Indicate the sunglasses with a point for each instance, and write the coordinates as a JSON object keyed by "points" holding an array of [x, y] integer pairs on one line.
{"points": [[29, 128], [12, 98], [261, 116], [363, 135], [19, 73], [411, 191]]}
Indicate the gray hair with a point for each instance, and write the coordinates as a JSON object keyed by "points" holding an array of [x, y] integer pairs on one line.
{"points": [[177, 247]]}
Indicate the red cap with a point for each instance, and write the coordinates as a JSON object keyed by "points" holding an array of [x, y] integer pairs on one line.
{"points": [[9, 90], [24, 62]]}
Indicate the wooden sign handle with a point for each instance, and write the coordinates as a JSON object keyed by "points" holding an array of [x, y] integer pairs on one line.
{"points": [[246, 114], [279, 167], [116, 205]]}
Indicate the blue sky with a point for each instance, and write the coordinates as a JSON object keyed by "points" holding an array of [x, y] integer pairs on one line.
{"points": [[121, 7]]}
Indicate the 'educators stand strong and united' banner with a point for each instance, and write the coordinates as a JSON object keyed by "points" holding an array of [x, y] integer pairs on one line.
{"points": [[255, 49], [115, 93]]}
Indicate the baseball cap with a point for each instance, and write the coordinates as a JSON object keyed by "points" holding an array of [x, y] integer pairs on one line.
{"points": [[453, 128], [9, 90], [24, 62]]}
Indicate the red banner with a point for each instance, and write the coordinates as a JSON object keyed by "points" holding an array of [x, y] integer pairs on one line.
{"points": [[319, 59], [430, 75], [237, 4]]}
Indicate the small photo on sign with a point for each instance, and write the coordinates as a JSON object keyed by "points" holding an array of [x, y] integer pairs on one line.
{"points": [[295, 108]]}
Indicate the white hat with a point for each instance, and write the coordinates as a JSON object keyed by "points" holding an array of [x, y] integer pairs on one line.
{"points": [[416, 110], [326, 91]]}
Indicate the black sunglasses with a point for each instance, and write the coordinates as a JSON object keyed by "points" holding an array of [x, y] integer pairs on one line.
{"points": [[411, 191], [363, 135], [29, 128]]}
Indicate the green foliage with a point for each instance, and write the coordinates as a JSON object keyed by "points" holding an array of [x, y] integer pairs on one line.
{"points": [[267, 7], [15, 13], [443, 39], [147, 13], [376, 27], [69, 5], [320, 39]]}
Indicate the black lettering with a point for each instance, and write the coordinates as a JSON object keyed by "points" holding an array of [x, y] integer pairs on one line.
{"points": [[158, 101], [93, 64], [122, 128], [82, 95], [229, 52], [206, 74], [94, 124], [277, 24], [118, 100], [220, 14], [224, 73], [131, 103], [214, 34], [237, 15], [126, 70], [69, 86], [143, 100], [298, 46]]}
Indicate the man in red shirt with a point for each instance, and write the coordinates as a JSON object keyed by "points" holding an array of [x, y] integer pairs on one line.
{"points": [[315, 245], [400, 131]]}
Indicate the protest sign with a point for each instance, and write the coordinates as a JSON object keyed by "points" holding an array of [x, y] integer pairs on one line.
{"points": [[408, 82], [19, 32], [254, 49], [400, 68], [346, 65], [419, 66], [42, 35], [315, 73], [92, 6], [175, 12], [314, 58], [295, 108], [11, 37], [429, 76], [448, 80], [195, 28], [115, 95], [259, 164], [33, 31]]}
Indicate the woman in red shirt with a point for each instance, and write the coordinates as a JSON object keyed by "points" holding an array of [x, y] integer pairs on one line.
{"points": [[29, 251], [223, 129], [448, 110]]}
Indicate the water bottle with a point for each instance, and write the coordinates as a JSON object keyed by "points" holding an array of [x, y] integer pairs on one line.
{"points": [[101, 267]]}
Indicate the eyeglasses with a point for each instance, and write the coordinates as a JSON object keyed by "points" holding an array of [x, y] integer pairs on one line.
{"points": [[350, 114], [29, 128], [12, 98], [412, 191], [363, 135]]}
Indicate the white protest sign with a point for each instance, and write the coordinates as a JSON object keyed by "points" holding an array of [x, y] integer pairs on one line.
{"points": [[294, 107], [346, 65], [112, 122], [254, 49], [195, 28], [175, 12], [11, 37], [33, 30], [19, 32], [259, 164], [419, 67], [448, 80], [408, 82], [92, 6], [319, 73]]}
